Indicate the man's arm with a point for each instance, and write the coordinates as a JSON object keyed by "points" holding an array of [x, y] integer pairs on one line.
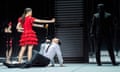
{"points": [[92, 26]]}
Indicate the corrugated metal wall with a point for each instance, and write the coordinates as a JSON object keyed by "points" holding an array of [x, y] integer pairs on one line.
{"points": [[70, 28]]}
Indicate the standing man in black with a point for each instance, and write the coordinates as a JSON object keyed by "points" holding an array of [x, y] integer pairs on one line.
{"points": [[102, 28]]}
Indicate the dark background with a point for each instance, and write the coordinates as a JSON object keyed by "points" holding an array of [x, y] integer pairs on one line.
{"points": [[11, 10]]}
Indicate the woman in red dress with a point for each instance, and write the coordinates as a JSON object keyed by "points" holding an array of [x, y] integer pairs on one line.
{"points": [[28, 37]]}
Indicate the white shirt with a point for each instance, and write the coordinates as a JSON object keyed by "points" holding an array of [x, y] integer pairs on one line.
{"points": [[53, 49], [43, 48]]}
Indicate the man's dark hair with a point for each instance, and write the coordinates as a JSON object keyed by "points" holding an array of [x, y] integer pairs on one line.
{"points": [[59, 42]]}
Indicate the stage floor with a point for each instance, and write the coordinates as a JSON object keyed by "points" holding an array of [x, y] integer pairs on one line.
{"points": [[68, 68]]}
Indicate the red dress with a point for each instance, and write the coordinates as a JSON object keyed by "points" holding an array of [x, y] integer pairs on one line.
{"points": [[28, 36]]}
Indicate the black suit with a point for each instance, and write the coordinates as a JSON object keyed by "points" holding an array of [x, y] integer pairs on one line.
{"points": [[102, 29]]}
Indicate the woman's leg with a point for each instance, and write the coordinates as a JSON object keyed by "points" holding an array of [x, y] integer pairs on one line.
{"points": [[8, 55], [10, 49], [30, 48], [7, 47], [21, 53]]}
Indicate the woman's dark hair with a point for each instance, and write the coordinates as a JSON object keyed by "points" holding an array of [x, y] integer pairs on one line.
{"points": [[24, 14]]}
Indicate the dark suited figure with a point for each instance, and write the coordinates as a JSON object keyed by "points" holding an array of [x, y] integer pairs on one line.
{"points": [[102, 29]]}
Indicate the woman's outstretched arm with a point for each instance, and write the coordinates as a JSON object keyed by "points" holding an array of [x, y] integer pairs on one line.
{"points": [[38, 25], [45, 21]]}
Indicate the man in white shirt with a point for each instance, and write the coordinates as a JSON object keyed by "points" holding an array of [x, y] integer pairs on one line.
{"points": [[54, 49], [44, 46]]}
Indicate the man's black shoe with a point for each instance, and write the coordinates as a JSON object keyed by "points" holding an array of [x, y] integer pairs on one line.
{"points": [[116, 64]]}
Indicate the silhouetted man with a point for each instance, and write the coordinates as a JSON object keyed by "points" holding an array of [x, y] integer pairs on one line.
{"points": [[102, 29]]}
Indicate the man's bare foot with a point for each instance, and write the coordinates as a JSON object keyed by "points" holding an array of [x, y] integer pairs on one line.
{"points": [[52, 65], [61, 65]]}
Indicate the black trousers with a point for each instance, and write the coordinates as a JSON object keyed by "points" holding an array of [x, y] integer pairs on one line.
{"points": [[39, 60], [36, 61], [108, 40]]}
